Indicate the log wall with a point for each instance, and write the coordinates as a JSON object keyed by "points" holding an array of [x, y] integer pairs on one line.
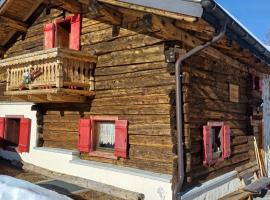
{"points": [[206, 98], [132, 83]]}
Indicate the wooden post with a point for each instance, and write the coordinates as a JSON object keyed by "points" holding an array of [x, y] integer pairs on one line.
{"points": [[92, 83], [59, 74], [91, 78], [8, 79]]}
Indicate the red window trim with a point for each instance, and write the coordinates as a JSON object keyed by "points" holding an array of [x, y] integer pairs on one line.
{"points": [[14, 116], [24, 134], [74, 36], [92, 152], [225, 152], [103, 118], [97, 153]]}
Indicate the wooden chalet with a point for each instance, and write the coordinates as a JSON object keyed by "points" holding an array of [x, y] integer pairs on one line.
{"points": [[131, 95]]}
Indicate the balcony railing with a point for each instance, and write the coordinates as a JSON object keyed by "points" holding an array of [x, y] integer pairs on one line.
{"points": [[56, 75]]}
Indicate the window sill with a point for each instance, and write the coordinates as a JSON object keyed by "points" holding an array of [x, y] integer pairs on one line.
{"points": [[103, 154]]}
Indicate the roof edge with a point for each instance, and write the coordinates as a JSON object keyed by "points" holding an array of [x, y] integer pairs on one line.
{"points": [[189, 8], [215, 14]]}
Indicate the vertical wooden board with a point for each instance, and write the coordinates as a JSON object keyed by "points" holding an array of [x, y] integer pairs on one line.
{"points": [[234, 93], [266, 120]]}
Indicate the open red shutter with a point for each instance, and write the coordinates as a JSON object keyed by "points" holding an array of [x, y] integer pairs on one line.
{"points": [[84, 144], [75, 32], [24, 139], [226, 151], [49, 36], [207, 143], [2, 130], [121, 134]]}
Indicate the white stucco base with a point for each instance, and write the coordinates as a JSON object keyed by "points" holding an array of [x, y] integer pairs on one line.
{"points": [[152, 185]]}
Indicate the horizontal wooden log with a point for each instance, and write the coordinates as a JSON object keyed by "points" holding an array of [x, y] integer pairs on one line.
{"points": [[154, 166], [157, 141], [124, 43], [60, 136], [116, 92], [132, 100], [151, 153], [106, 72], [61, 145], [161, 109], [140, 55]]}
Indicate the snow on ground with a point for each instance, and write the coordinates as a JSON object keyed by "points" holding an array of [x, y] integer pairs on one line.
{"points": [[15, 189]]}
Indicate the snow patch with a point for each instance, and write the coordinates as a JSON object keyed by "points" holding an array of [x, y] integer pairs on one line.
{"points": [[15, 189]]}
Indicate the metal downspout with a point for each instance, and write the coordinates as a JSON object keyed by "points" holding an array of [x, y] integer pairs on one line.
{"points": [[179, 112]]}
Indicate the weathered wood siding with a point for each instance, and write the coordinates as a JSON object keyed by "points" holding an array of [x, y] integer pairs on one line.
{"points": [[132, 82], [206, 98]]}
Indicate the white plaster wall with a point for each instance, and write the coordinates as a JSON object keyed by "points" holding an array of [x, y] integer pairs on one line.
{"points": [[153, 185]]}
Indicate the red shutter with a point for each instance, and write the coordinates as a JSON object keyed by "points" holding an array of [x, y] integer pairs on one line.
{"points": [[84, 144], [226, 151], [24, 138], [120, 147], [49, 36], [2, 130], [75, 32], [207, 143]]}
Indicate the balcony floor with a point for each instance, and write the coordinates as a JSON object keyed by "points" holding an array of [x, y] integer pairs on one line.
{"points": [[52, 95]]}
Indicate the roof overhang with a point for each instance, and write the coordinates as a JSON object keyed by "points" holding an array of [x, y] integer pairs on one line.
{"points": [[216, 14], [189, 8]]}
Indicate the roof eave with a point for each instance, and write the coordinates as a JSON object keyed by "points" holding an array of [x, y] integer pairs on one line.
{"points": [[176, 6], [215, 14]]}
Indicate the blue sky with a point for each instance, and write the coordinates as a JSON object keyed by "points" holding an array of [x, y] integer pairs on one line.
{"points": [[254, 14]]}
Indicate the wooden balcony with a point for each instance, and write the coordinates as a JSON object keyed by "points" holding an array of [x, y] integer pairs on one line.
{"points": [[65, 76]]}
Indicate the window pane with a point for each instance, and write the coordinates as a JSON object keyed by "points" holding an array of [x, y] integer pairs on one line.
{"points": [[106, 134]]}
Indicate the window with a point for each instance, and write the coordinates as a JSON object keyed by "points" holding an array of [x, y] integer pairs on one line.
{"points": [[256, 82], [216, 139], [64, 33], [105, 132], [15, 133], [12, 132], [103, 136]]}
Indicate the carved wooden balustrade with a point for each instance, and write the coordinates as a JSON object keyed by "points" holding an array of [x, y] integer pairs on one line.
{"points": [[65, 76]]}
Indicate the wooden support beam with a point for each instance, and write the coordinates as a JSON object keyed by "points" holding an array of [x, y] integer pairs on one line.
{"points": [[14, 24], [102, 12], [65, 98], [169, 31], [37, 98], [149, 10], [68, 5]]}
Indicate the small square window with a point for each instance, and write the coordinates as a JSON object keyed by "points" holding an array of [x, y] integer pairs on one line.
{"points": [[63, 33], [216, 134], [216, 139], [105, 135]]}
